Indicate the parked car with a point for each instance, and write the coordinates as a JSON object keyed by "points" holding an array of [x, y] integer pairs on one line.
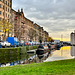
{"points": [[21, 43], [34, 43], [5, 44], [29, 43], [38, 43], [53, 45], [1, 41], [25, 43]]}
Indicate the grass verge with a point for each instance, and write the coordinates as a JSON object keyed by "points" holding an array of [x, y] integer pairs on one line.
{"points": [[64, 67]]}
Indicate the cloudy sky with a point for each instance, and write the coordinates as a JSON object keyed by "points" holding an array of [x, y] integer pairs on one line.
{"points": [[56, 16]]}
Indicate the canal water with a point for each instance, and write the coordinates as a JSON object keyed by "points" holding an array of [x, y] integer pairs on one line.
{"points": [[63, 53]]}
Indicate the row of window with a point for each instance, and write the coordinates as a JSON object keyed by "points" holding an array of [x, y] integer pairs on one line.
{"points": [[7, 2], [7, 9], [7, 15]]}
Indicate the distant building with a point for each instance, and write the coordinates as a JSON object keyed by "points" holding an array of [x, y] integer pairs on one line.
{"points": [[56, 41], [73, 44], [72, 38], [46, 35]]}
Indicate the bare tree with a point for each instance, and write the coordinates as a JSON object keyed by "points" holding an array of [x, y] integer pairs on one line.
{"points": [[31, 33], [19, 31], [50, 39], [10, 28], [6, 27], [40, 38], [36, 35]]}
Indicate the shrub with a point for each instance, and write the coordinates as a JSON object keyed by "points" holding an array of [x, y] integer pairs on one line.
{"points": [[9, 54], [35, 47], [27, 48], [14, 54], [31, 47]]}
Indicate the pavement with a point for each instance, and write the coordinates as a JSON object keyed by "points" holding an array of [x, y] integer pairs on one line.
{"points": [[62, 54]]}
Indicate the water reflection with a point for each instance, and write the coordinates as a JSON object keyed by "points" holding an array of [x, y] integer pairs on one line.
{"points": [[66, 48], [63, 53], [66, 51]]}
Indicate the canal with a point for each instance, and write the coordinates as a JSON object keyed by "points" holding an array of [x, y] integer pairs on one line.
{"points": [[63, 53]]}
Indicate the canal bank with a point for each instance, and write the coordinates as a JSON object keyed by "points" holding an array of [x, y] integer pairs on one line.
{"points": [[14, 56], [64, 67]]}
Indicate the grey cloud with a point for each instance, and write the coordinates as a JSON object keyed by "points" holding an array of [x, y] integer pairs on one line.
{"points": [[54, 15], [46, 8]]}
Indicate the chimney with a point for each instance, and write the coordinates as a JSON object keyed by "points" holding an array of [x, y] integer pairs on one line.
{"points": [[18, 10], [21, 10]]}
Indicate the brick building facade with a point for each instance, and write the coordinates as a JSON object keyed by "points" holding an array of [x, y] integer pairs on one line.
{"points": [[5, 12], [22, 25]]}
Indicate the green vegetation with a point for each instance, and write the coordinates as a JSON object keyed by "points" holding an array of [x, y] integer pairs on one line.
{"points": [[9, 54], [35, 47], [64, 67], [14, 54]]}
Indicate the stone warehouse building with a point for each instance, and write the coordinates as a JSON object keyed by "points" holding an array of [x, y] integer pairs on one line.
{"points": [[24, 29]]}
